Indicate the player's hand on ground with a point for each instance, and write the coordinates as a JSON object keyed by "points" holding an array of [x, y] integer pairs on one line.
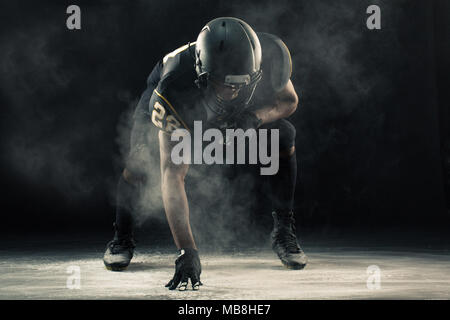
{"points": [[187, 266]]}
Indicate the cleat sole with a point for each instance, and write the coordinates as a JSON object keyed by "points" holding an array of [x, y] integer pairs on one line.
{"points": [[297, 266], [291, 267], [115, 268]]}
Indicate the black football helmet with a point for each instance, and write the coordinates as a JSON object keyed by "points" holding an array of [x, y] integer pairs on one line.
{"points": [[228, 53]]}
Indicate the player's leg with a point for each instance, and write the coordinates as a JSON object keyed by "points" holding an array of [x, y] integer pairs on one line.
{"points": [[282, 189], [119, 251]]}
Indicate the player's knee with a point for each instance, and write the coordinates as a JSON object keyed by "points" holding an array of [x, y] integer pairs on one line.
{"points": [[133, 178], [285, 153]]}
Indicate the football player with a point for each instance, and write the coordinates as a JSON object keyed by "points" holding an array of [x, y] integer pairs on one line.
{"points": [[231, 77]]}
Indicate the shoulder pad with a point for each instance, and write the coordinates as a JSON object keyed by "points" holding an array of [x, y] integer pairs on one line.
{"points": [[276, 61], [179, 60]]}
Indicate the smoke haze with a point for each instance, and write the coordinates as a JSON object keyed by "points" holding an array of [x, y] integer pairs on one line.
{"points": [[367, 140]]}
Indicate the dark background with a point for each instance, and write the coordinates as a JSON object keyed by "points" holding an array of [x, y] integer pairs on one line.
{"points": [[372, 123]]}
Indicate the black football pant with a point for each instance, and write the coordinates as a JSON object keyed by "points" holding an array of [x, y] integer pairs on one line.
{"points": [[282, 184]]}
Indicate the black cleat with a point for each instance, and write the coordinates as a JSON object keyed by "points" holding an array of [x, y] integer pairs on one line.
{"points": [[119, 252], [284, 241]]}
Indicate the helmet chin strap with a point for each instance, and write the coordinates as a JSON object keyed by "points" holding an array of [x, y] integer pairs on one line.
{"points": [[219, 106], [223, 110]]}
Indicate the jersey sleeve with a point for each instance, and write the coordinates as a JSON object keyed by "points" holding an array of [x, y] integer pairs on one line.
{"points": [[171, 104], [163, 113], [142, 111], [155, 76]]}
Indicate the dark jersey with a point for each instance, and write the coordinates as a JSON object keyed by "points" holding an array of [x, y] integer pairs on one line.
{"points": [[176, 101]]}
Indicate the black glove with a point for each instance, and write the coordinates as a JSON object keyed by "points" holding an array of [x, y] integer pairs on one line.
{"points": [[246, 120], [187, 266]]}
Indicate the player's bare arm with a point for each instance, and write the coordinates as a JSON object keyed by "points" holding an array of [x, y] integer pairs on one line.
{"points": [[187, 266], [174, 195], [283, 106]]}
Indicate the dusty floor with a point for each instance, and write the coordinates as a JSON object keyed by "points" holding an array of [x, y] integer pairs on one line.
{"points": [[333, 273]]}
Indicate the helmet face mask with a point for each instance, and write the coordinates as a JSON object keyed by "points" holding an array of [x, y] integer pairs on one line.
{"points": [[228, 99], [226, 92], [228, 64]]}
